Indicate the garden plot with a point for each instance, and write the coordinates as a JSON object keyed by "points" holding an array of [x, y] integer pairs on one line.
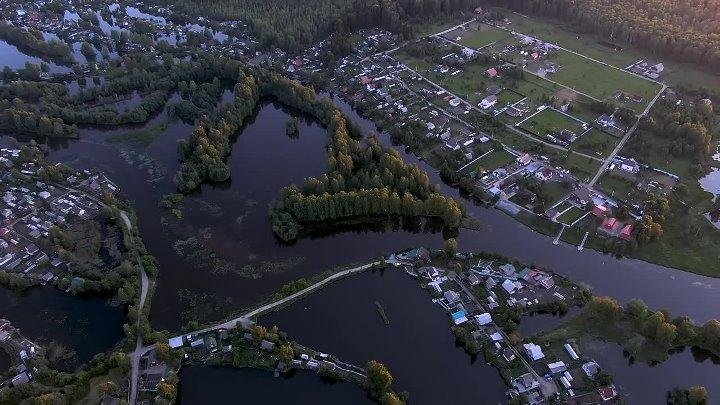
{"points": [[551, 122], [477, 35]]}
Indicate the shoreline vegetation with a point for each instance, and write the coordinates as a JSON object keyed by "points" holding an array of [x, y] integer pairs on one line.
{"points": [[645, 335], [362, 179]]}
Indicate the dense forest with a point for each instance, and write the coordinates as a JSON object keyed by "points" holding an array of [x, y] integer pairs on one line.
{"points": [[292, 24], [691, 130], [685, 30]]}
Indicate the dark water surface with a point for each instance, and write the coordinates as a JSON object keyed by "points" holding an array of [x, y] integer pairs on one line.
{"points": [[230, 222], [418, 346], [646, 384], [225, 385], [44, 314], [5, 361]]}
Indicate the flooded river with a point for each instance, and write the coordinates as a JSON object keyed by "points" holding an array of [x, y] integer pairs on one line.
{"points": [[222, 256]]}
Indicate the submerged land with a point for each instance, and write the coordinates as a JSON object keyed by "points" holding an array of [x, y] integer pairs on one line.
{"points": [[277, 158]]}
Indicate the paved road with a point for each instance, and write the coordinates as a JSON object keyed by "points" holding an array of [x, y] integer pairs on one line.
{"points": [[620, 144], [135, 356]]}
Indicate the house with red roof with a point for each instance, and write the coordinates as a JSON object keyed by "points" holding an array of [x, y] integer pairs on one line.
{"points": [[524, 159], [626, 232], [607, 393], [600, 211], [609, 223], [492, 72], [544, 174]]}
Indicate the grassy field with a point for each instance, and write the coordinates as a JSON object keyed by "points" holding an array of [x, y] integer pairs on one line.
{"points": [[550, 121], [495, 159], [618, 331], [616, 186], [571, 215], [539, 90], [478, 37], [595, 143], [582, 167], [558, 32], [601, 81], [507, 97]]}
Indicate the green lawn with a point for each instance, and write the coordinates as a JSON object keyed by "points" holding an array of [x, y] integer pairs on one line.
{"points": [[495, 159], [583, 168], [678, 73], [616, 186], [550, 121], [571, 215], [601, 81], [507, 97], [555, 190], [477, 38], [595, 143]]}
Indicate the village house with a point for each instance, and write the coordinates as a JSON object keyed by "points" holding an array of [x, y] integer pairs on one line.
{"points": [[533, 351]]}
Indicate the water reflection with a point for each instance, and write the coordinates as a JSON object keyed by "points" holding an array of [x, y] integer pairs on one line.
{"points": [[86, 325], [643, 383], [418, 345], [216, 385]]}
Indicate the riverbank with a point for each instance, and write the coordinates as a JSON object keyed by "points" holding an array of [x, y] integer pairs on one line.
{"points": [[486, 311]]}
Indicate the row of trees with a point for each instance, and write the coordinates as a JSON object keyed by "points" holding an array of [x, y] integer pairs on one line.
{"points": [[108, 114], [657, 326], [362, 179], [33, 41], [25, 122], [295, 208], [687, 30], [204, 153], [380, 384]]}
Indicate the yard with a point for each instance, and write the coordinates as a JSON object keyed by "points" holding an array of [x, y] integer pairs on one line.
{"points": [[555, 190], [550, 121], [493, 160], [507, 97], [581, 167], [595, 143], [601, 81], [570, 216], [617, 186], [477, 35]]}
